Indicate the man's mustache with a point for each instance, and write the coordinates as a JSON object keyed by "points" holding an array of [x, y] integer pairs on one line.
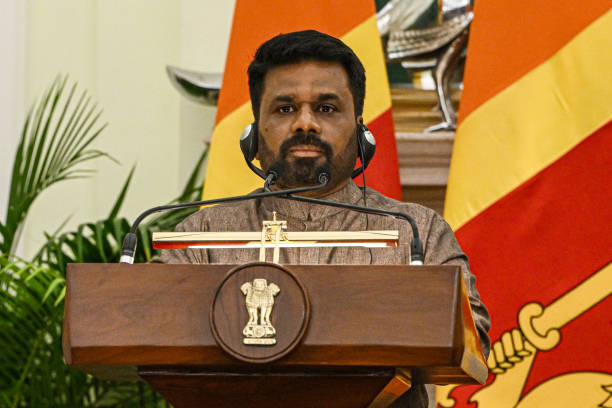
{"points": [[302, 138]]}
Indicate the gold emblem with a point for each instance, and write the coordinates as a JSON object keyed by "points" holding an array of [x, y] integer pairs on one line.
{"points": [[272, 231], [259, 303]]}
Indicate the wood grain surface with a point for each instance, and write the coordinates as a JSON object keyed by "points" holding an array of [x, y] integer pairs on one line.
{"points": [[310, 388], [361, 316]]}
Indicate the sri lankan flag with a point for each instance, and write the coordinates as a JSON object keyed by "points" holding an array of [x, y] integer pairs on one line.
{"points": [[529, 197], [354, 22]]}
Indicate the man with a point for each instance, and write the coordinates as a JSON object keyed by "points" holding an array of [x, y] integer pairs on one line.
{"points": [[307, 92]]}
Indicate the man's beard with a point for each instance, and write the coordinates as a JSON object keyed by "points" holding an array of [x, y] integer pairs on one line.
{"points": [[303, 171]]}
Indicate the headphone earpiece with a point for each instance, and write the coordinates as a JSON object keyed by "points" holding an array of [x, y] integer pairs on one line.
{"points": [[249, 141], [248, 145], [366, 145]]}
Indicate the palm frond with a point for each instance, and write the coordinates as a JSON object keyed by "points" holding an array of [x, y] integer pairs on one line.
{"points": [[55, 139], [121, 196], [32, 370], [30, 296], [101, 241]]}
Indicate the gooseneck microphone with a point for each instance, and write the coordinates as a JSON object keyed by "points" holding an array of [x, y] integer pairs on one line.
{"points": [[323, 176], [416, 246], [128, 249], [274, 171]]}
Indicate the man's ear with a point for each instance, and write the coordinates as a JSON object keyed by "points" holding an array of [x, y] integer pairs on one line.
{"points": [[360, 119]]}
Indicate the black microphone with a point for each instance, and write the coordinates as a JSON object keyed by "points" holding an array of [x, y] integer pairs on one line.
{"points": [[274, 171], [128, 249]]}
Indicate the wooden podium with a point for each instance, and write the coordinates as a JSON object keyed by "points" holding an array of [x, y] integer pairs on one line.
{"points": [[347, 335]]}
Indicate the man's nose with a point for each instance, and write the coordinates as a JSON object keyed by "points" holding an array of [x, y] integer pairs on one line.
{"points": [[305, 121]]}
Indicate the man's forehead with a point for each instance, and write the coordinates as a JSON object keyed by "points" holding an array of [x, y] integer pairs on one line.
{"points": [[325, 79]]}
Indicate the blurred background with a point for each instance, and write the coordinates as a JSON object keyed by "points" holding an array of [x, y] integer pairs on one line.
{"points": [[118, 52]]}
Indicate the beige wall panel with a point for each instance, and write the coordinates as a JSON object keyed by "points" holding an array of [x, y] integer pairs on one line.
{"points": [[118, 51], [135, 41], [60, 39], [205, 30], [12, 49]]}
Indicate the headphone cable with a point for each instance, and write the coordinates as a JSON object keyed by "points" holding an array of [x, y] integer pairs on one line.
{"points": [[365, 203]]}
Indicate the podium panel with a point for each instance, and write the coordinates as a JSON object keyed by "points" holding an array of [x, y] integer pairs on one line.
{"points": [[306, 388], [365, 322]]}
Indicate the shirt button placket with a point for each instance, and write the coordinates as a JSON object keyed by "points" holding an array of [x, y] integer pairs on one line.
{"points": [[304, 251]]}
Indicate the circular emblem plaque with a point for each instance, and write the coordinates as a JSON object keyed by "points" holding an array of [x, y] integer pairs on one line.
{"points": [[260, 312]]}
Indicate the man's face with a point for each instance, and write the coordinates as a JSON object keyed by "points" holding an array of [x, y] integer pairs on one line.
{"points": [[307, 120]]}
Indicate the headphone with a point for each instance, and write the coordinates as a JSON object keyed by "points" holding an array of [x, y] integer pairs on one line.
{"points": [[249, 140]]}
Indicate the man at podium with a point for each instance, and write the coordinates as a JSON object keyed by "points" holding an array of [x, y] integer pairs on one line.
{"points": [[307, 92]]}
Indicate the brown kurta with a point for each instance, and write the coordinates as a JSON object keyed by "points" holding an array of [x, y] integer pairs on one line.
{"points": [[439, 243]]}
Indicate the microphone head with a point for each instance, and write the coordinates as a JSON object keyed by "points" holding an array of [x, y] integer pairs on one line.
{"points": [[275, 170], [323, 175]]}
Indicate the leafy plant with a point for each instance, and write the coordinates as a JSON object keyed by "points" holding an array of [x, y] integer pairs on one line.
{"points": [[33, 371], [56, 138], [101, 241], [29, 316], [54, 142]]}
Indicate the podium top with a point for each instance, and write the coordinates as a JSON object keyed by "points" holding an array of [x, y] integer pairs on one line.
{"points": [[292, 239]]}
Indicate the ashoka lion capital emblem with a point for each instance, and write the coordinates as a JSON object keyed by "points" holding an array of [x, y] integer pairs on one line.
{"points": [[259, 303]]}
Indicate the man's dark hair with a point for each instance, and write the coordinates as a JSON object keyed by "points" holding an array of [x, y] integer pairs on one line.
{"points": [[302, 46]]}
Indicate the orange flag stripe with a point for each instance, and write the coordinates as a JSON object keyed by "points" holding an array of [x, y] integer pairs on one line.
{"points": [[285, 17], [500, 56]]}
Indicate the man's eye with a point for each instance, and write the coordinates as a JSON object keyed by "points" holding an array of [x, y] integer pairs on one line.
{"points": [[285, 109], [327, 108]]}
